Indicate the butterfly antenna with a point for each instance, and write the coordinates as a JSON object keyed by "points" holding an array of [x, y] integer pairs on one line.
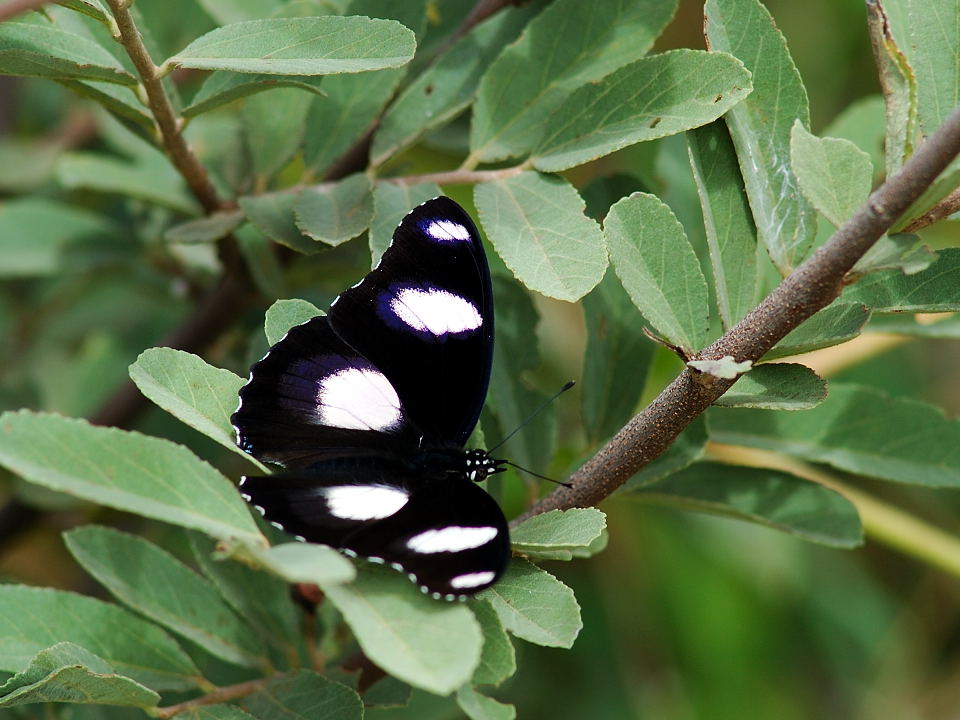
{"points": [[531, 416], [537, 475]]}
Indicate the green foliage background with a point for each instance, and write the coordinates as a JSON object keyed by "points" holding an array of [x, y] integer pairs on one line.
{"points": [[104, 250]]}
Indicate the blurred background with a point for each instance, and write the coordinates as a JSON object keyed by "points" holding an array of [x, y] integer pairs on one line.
{"points": [[685, 616]]}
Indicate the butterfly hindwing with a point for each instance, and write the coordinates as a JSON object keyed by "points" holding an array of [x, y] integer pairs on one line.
{"points": [[424, 316], [448, 533]]}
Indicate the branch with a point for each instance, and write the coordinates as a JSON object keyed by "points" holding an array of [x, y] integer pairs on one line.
{"points": [[811, 287], [229, 692], [16, 7], [168, 124], [480, 12], [942, 210]]}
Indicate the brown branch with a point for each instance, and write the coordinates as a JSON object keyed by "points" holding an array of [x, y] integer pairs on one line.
{"points": [[460, 176], [168, 124], [811, 287], [12, 8], [223, 694]]}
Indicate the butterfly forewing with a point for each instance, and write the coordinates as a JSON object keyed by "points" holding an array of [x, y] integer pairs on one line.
{"points": [[424, 316], [368, 409], [313, 395]]}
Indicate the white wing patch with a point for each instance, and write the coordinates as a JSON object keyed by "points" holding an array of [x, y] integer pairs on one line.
{"points": [[435, 311], [363, 502], [358, 399], [447, 231], [451, 539], [471, 580]]}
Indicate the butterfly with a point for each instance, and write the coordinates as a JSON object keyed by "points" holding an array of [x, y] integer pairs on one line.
{"points": [[368, 408]]}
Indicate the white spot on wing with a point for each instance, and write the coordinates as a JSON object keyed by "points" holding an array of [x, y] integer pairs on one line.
{"points": [[451, 539], [435, 311], [471, 580], [447, 230], [358, 399], [364, 502]]}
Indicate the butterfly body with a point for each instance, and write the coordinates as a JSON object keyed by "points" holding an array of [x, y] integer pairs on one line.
{"points": [[368, 409]]}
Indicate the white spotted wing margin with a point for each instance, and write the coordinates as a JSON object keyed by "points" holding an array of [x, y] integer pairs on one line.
{"points": [[367, 410]]}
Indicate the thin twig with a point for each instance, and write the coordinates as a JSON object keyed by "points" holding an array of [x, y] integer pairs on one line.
{"points": [[229, 692], [942, 210], [168, 124], [480, 12], [459, 177], [12, 8], [811, 287]]}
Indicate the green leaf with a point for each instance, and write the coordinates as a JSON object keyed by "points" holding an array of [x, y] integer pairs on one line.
{"points": [[478, 706], [689, 447], [154, 181], [338, 121], [616, 359], [901, 251], [533, 605], [935, 289], [302, 695], [558, 534], [776, 386], [261, 598], [654, 97], [731, 234], [510, 399], [859, 430], [391, 203], [862, 123], [260, 257], [301, 46], [44, 237], [447, 86], [34, 619], [833, 325], [207, 229], [32, 50], [498, 659], [233, 11], [300, 562], [67, 672], [333, 213], [760, 125], [568, 45], [430, 644], [273, 215], [170, 593], [224, 87], [200, 395], [125, 470], [285, 314], [274, 124], [119, 100], [537, 225], [769, 497], [91, 8], [899, 83], [834, 175], [934, 55], [659, 270]]}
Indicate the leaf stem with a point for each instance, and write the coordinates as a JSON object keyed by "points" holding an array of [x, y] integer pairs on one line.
{"points": [[169, 125], [882, 522], [459, 176], [811, 287], [223, 694]]}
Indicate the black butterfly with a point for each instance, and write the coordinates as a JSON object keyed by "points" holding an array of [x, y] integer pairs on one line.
{"points": [[368, 410]]}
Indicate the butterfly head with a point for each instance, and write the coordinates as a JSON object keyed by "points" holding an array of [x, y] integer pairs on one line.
{"points": [[478, 465]]}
